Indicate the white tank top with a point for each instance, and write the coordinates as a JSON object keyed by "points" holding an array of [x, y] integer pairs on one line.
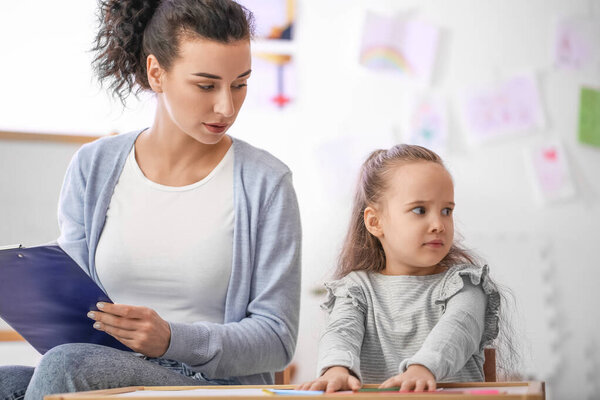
{"points": [[169, 248]]}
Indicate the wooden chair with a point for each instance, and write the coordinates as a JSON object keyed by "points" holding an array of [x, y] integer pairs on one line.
{"points": [[489, 369], [489, 364]]}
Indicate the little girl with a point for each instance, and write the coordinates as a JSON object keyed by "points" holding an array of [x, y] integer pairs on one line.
{"points": [[410, 307]]}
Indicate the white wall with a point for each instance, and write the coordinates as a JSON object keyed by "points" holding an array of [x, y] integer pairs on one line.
{"points": [[340, 102]]}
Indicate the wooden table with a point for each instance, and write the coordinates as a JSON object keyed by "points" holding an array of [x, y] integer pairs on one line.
{"points": [[508, 391]]}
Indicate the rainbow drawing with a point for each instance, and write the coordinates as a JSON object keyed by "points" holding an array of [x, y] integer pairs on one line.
{"points": [[385, 57]]}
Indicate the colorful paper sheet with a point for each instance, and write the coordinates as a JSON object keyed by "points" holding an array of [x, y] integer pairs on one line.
{"points": [[406, 46], [589, 117], [426, 123], [551, 172], [273, 81], [506, 107], [274, 19], [576, 44]]}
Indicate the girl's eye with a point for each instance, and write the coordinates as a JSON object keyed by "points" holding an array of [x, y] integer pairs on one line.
{"points": [[206, 87], [447, 211], [418, 210], [239, 86]]}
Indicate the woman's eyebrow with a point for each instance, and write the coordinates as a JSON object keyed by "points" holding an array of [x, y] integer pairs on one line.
{"points": [[212, 76]]}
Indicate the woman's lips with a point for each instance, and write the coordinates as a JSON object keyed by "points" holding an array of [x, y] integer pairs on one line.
{"points": [[215, 128], [434, 243]]}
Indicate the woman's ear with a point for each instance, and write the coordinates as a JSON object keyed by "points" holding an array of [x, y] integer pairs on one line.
{"points": [[372, 222], [155, 73]]}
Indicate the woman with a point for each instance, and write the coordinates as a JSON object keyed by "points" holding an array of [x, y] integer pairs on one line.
{"points": [[193, 234]]}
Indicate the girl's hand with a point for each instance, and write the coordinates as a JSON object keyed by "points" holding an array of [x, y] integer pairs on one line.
{"points": [[334, 379], [415, 377], [139, 328]]}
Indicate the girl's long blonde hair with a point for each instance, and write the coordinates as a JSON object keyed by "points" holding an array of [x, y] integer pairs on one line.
{"points": [[363, 251]]}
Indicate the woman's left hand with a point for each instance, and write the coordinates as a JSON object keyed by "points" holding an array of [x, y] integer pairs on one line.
{"points": [[139, 328], [416, 377]]}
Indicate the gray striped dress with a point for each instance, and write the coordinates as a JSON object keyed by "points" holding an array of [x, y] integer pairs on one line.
{"points": [[381, 324]]}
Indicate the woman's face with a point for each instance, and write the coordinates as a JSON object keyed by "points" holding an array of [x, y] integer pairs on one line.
{"points": [[202, 92]]}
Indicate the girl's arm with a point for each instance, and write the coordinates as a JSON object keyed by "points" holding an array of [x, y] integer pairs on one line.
{"points": [[340, 344], [456, 336]]}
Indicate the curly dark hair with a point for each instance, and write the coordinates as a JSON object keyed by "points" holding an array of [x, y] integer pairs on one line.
{"points": [[130, 30]]}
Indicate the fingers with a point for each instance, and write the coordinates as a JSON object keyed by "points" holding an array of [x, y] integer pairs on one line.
{"points": [[117, 333], [431, 385], [391, 382], [420, 385], [333, 386], [123, 310], [112, 320], [354, 383]]}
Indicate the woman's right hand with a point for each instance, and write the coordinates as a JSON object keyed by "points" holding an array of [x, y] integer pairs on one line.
{"points": [[334, 379]]}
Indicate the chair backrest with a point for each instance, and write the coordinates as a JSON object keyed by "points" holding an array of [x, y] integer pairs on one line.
{"points": [[489, 364]]}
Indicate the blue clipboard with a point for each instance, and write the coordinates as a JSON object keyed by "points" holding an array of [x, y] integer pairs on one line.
{"points": [[45, 296]]}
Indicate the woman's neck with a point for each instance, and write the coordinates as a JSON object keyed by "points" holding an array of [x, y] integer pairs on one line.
{"points": [[173, 158]]}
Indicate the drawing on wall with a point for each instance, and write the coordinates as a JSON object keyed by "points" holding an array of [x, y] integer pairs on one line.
{"points": [[274, 19], [406, 46], [526, 265], [551, 174], [589, 116], [506, 107], [273, 81], [426, 123], [576, 43]]}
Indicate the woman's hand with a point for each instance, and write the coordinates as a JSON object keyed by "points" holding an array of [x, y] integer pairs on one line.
{"points": [[415, 377], [139, 328], [334, 379]]}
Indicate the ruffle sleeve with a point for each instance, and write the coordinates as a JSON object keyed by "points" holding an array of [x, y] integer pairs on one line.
{"points": [[346, 289], [478, 276]]}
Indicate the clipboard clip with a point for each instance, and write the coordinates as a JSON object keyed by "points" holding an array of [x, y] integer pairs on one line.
{"points": [[11, 247]]}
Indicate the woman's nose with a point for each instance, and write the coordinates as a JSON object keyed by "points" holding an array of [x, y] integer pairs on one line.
{"points": [[224, 104]]}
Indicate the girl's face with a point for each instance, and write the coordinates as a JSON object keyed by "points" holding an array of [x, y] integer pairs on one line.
{"points": [[414, 218], [201, 94]]}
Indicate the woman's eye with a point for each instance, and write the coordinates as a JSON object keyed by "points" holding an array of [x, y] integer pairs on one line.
{"points": [[447, 211], [239, 86], [419, 210], [206, 87]]}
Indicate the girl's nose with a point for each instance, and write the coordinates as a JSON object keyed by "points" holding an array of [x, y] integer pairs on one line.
{"points": [[437, 226]]}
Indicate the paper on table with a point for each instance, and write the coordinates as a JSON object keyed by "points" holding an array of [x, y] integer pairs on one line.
{"points": [[195, 393]]}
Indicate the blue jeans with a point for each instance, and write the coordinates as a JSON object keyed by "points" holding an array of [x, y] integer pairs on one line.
{"points": [[78, 367]]}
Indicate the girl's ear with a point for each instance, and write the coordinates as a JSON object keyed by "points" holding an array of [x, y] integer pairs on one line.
{"points": [[155, 73], [372, 222]]}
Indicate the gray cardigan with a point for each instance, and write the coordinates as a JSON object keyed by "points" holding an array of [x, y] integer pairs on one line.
{"points": [[260, 328]]}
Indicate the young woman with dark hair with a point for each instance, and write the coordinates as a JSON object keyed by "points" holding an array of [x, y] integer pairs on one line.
{"points": [[194, 235]]}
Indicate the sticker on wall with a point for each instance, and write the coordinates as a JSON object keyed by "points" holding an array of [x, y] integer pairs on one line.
{"points": [[589, 116], [406, 46], [550, 171], [273, 81], [576, 44], [511, 106], [426, 123], [274, 19]]}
